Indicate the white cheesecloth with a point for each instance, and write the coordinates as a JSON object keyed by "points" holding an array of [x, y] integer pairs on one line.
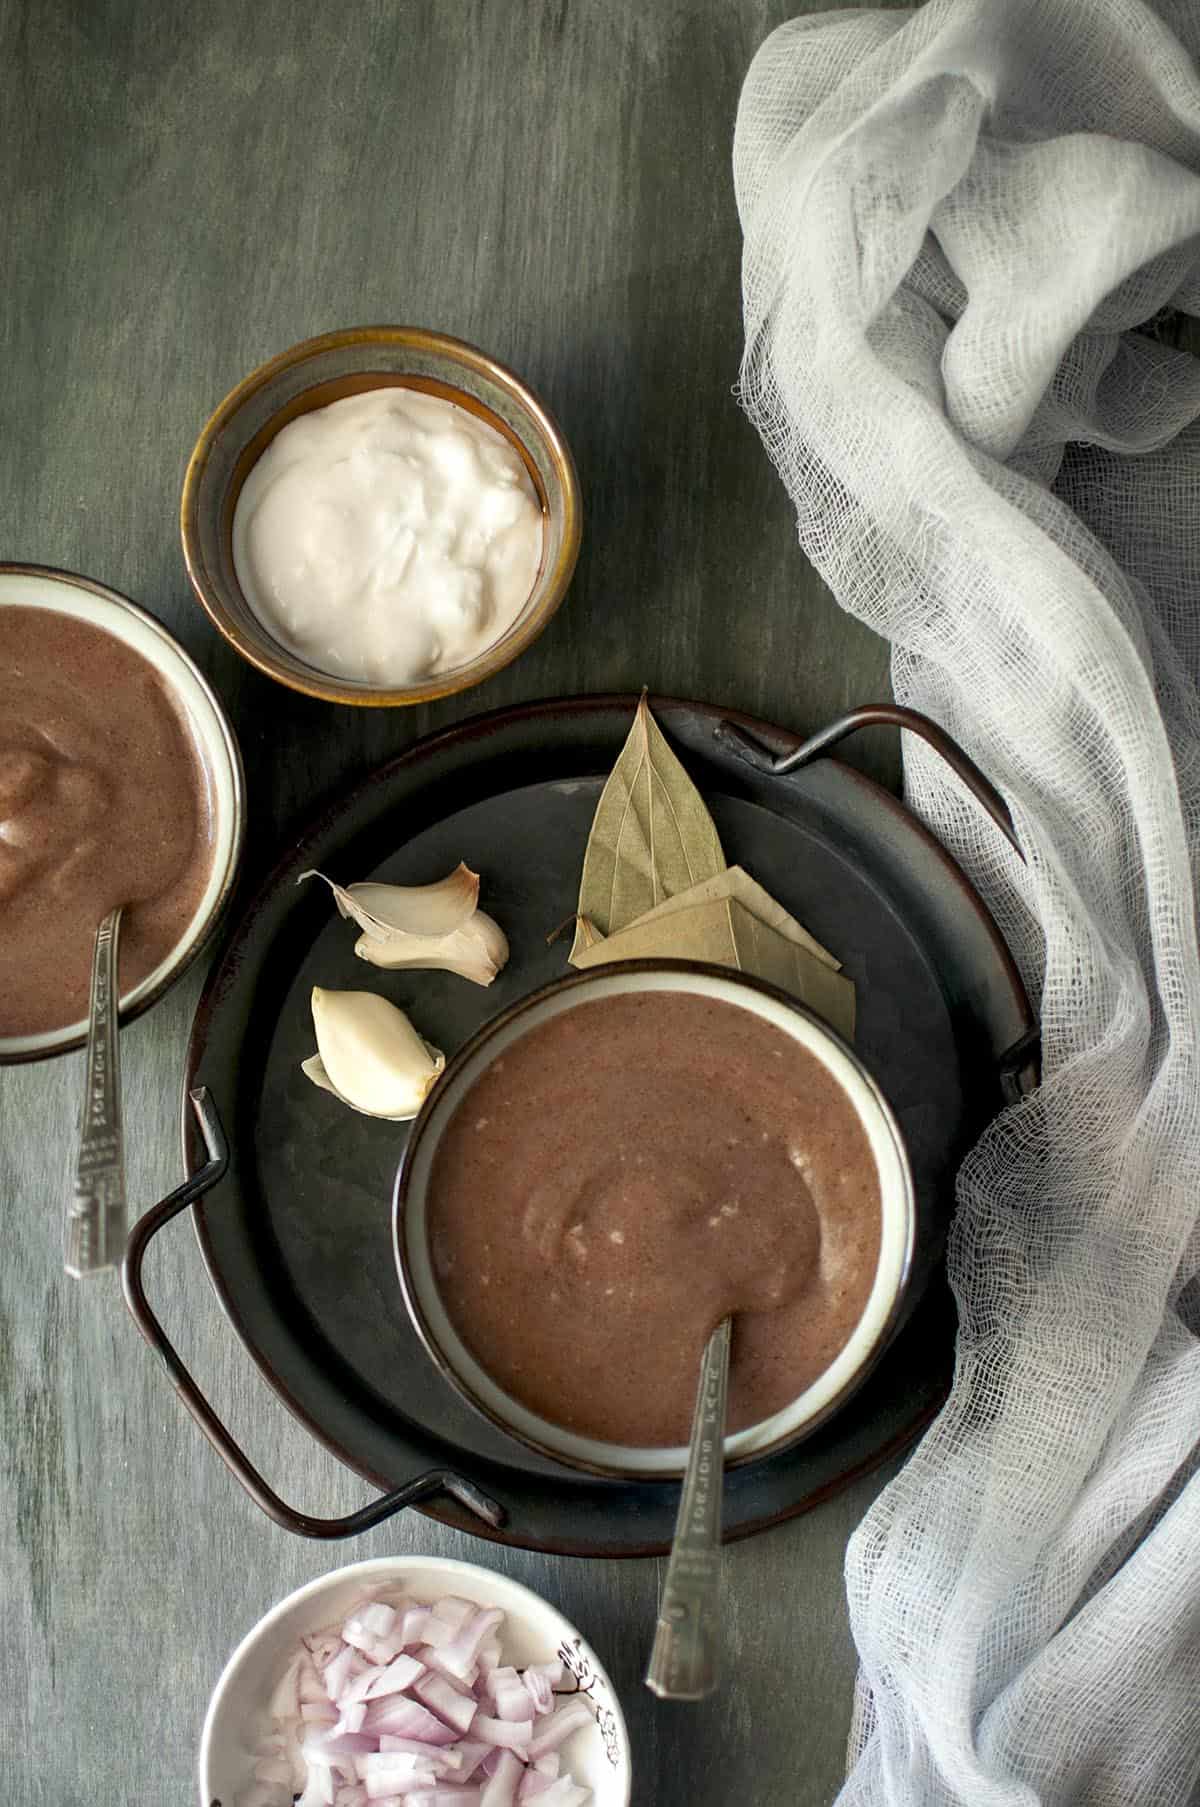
{"points": [[958, 224]]}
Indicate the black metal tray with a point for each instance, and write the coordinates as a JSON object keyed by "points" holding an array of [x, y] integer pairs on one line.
{"points": [[295, 1232]]}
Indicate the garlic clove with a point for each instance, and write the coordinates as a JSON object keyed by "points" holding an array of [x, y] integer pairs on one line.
{"points": [[477, 951], [428, 911], [369, 1055], [314, 1068]]}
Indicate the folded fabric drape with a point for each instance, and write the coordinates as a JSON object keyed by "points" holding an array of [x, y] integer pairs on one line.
{"points": [[970, 234]]}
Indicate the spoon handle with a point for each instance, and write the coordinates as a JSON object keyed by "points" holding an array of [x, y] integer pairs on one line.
{"points": [[684, 1660], [96, 1216]]}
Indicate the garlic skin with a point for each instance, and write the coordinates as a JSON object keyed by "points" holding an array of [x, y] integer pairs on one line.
{"points": [[436, 926], [477, 951], [369, 1055]]}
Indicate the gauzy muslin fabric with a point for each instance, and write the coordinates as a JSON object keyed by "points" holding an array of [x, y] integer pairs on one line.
{"points": [[964, 229]]}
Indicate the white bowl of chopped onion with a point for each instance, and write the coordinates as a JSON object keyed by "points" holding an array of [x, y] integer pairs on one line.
{"points": [[414, 1682]]}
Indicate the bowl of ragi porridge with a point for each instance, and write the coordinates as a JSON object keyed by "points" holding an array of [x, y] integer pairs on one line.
{"points": [[120, 783], [618, 1162]]}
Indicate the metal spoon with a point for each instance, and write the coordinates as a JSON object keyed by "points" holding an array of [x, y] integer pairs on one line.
{"points": [[96, 1215], [684, 1662]]}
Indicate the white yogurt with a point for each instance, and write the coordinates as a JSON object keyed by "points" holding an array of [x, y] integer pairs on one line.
{"points": [[388, 537]]}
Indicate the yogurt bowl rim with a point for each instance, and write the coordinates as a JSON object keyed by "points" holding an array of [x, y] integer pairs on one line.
{"points": [[843, 1377], [105, 608], [386, 1571]]}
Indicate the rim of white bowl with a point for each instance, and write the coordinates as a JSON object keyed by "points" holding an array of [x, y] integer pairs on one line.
{"points": [[893, 1269], [68, 593], [397, 1565]]}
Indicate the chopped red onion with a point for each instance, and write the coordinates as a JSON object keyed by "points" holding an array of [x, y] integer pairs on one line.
{"points": [[377, 1712], [325, 1747], [553, 1731], [399, 1674], [339, 1669], [436, 1631], [414, 1626], [376, 1630], [448, 1757], [406, 1718], [508, 1694], [447, 1701], [318, 1790], [431, 1656], [442, 1797], [472, 1751], [539, 1681], [353, 1714], [512, 1734], [458, 1656], [453, 1611], [500, 1790], [385, 1773], [355, 1633]]}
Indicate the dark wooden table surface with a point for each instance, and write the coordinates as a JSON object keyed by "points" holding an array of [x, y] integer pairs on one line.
{"points": [[186, 190]]}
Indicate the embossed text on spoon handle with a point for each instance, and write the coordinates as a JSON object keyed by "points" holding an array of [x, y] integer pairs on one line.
{"points": [[684, 1662], [96, 1216]]}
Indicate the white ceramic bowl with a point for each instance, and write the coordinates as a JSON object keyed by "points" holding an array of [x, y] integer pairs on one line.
{"points": [[64, 593], [597, 1756], [411, 1236]]}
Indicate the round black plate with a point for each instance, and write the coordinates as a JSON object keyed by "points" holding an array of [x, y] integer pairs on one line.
{"points": [[297, 1236]]}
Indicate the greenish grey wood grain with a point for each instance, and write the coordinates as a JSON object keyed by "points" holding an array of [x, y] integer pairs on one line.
{"points": [[187, 190]]}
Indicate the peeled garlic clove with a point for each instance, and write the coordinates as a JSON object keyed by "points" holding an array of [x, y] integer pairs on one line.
{"points": [[314, 1068], [369, 1055], [476, 951], [428, 911]]}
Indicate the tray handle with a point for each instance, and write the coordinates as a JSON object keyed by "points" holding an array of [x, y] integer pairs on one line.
{"points": [[880, 715], [423, 1487], [1019, 1065]]}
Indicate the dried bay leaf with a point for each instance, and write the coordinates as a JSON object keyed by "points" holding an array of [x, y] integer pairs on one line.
{"points": [[735, 882], [656, 886], [723, 932], [652, 836]]}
